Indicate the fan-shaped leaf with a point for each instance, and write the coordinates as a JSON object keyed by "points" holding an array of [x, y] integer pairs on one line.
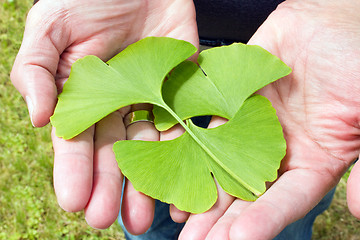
{"points": [[241, 155], [95, 89], [228, 75]]}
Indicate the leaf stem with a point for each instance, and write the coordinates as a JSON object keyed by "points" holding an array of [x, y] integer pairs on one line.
{"points": [[167, 108]]}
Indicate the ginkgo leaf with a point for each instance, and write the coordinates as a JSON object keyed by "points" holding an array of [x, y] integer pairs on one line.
{"points": [[241, 155], [172, 171], [192, 91], [95, 89]]}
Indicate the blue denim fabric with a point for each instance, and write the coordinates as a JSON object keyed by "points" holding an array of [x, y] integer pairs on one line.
{"points": [[163, 228]]}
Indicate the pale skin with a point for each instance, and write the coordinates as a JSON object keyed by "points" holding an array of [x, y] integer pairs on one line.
{"points": [[318, 106], [57, 33]]}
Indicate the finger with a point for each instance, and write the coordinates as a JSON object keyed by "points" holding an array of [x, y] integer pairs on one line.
{"points": [[222, 227], [104, 205], [294, 194], [36, 63], [137, 209], [141, 106], [353, 190], [199, 225], [216, 121], [73, 170], [178, 215]]}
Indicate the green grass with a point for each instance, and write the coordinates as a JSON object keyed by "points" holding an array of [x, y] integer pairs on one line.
{"points": [[28, 207]]}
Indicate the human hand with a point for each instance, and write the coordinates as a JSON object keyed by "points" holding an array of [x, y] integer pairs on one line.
{"points": [[318, 106], [57, 33]]}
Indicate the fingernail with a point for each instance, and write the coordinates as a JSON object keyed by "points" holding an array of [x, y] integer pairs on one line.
{"points": [[30, 108]]}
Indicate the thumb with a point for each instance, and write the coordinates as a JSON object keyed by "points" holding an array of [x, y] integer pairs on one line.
{"points": [[36, 63], [353, 191]]}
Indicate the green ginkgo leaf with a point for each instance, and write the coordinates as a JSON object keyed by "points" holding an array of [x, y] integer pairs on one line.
{"points": [[242, 155], [227, 76], [95, 89]]}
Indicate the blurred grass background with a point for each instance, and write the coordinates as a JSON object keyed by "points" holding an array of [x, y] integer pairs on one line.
{"points": [[28, 207]]}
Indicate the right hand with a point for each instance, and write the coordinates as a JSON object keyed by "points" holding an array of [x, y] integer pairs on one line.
{"points": [[58, 33], [318, 106]]}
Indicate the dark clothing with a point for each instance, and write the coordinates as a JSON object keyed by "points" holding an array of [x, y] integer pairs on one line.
{"points": [[222, 22]]}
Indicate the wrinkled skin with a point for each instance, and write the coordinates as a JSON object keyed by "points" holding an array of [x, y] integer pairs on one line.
{"points": [[318, 106]]}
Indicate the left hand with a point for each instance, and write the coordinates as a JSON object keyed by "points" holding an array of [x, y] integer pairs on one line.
{"points": [[318, 105]]}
